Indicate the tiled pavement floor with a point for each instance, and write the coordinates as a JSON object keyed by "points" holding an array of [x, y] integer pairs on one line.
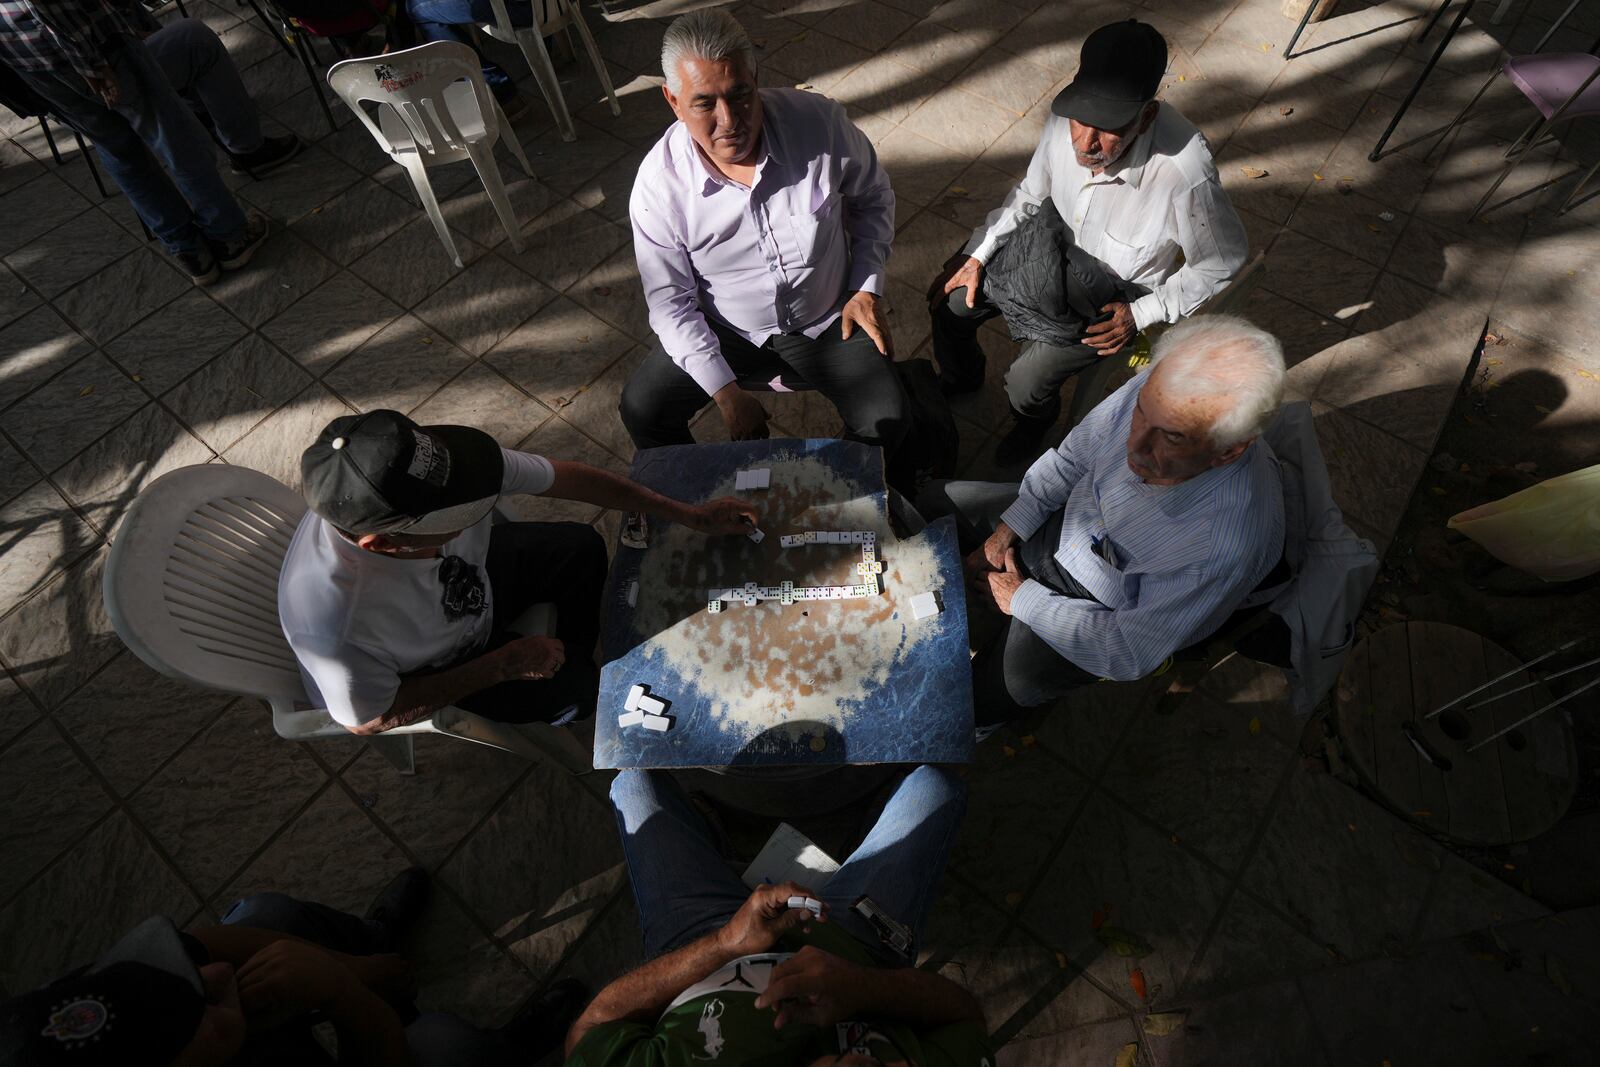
{"points": [[126, 794]]}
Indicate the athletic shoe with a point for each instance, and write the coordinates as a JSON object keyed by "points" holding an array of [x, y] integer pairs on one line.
{"points": [[273, 153], [200, 265], [235, 254]]}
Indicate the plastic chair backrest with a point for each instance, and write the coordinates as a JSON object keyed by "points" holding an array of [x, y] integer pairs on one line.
{"points": [[412, 82], [550, 17], [191, 583]]}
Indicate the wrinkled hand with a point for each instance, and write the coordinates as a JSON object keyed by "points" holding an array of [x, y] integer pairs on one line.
{"points": [[992, 552], [743, 413], [958, 271], [221, 1032], [289, 979], [866, 311], [816, 987], [534, 658], [1109, 337], [999, 586], [726, 515], [765, 917], [105, 83]]}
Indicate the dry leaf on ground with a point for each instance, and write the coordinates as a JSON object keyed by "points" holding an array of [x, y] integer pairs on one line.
{"points": [[1128, 1056], [1252, 172], [1162, 1023]]}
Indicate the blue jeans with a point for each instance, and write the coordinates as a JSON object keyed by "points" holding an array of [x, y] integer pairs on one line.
{"points": [[685, 888], [197, 63], [436, 1038], [152, 146], [446, 20]]}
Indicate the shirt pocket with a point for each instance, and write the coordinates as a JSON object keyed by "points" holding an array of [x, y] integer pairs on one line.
{"points": [[1111, 576], [815, 231]]}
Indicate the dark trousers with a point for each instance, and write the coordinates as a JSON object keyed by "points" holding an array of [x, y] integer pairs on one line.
{"points": [[436, 1039], [1014, 670], [660, 399], [1035, 377], [560, 563]]}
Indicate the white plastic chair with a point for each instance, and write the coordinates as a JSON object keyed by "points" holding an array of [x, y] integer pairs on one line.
{"points": [[434, 109], [1095, 383], [191, 585], [550, 16]]}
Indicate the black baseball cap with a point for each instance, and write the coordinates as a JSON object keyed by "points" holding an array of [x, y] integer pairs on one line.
{"points": [[141, 1002], [382, 473], [1119, 71]]}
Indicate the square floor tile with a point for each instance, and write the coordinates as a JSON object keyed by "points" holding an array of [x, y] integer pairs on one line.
{"points": [[918, 169], [16, 298], [227, 793], [1120, 895], [613, 292], [412, 262], [41, 535], [123, 293], [330, 322], [559, 439], [61, 635], [38, 345], [540, 902], [104, 479], [129, 720], [595, 408], [1373, 473], [819, 59], [36, 208], [308, 181], [461, 969], [226, 398], [71, 410], [108, 883], [559, 351], [274, 447], [456, 787], [171, 344], [401, 366], [566, 243], [332, 852], [1328, 281], [484, 303], [351, 224], [963, 123], [51, 797], [483, 398], [283, 270], [883, 89], [71, 252]]}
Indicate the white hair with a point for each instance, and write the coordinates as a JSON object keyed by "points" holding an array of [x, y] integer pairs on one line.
{"points": [[711, 34], [1212, 356]]}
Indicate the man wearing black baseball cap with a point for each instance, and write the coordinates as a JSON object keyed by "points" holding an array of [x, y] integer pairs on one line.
{"points": [[1135, 185], [399, 596]]}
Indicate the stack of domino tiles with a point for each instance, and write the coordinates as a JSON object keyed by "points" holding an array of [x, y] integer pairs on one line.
{"points": [[642, 709]]}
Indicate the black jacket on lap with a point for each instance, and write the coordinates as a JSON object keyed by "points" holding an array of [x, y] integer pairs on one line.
{"points": [[1047, 287]]}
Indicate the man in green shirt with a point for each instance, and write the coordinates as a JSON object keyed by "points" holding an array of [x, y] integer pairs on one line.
{"points": [[745, 978]]}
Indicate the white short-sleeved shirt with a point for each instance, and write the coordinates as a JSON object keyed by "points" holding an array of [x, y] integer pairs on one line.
{"points": [[357, 620]]}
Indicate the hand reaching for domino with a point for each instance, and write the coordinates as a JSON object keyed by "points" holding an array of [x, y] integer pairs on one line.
{"points": [[811, 904]]}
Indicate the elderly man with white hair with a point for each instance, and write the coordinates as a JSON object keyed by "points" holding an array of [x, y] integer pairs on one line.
{"points": [[761, 223], [1141, 533]]}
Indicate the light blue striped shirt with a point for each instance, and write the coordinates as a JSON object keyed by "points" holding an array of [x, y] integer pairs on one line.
{"points": [[1184, 555]]}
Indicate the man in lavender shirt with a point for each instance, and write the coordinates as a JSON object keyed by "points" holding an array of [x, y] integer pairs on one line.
{"points": [[761, 223]]}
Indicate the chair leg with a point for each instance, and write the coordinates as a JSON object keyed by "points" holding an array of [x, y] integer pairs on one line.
{"points": [[1462, 116], [489, 171], [275, 32], [544, 72], [88, 159], [1568, 202], [430, 203], [49, 139], [397, 750], [302, 49], [594, 53], [513, 142]]}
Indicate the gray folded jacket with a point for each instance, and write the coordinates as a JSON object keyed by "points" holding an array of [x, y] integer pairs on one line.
{"points": [[1047, 287]]}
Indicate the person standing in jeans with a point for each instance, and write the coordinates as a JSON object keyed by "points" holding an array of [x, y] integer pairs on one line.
{"points": [[742, 977], [449, 20], [89, 61]]}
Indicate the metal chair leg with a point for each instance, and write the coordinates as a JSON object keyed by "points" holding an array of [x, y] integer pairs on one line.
{"points": [[308, 61], [55, 153], [1567, 203], [1460, 118], [1427, 69], [94, 171], [275, 32], [1305, 20]]}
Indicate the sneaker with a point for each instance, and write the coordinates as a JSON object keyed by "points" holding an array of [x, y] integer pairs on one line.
{"points": [[234, 254], [200, 265], [542, 1024], [1022, 441], [273, 153], [396, 908]]}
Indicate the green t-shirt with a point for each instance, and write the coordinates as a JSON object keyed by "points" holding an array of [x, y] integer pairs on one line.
{"points": [[716, 1021]]}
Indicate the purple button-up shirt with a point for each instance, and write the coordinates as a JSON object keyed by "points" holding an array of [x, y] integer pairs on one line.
{"points": [[779, 257]]}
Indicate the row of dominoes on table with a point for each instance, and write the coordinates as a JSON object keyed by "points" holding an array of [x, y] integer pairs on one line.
{"points": [[751, 594]]}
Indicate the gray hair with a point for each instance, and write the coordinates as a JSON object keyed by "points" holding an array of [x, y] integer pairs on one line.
{"points": [[1224, 356], [710, 33]]}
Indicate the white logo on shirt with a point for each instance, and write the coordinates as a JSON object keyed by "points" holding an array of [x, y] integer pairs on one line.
{"points": [[711, 1029]]}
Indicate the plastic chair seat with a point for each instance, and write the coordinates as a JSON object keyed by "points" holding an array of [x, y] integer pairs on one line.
{"points": [[1548, 80], [462, 104]]}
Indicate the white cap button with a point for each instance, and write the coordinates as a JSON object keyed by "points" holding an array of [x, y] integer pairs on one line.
{"points": [[338, 442]]}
